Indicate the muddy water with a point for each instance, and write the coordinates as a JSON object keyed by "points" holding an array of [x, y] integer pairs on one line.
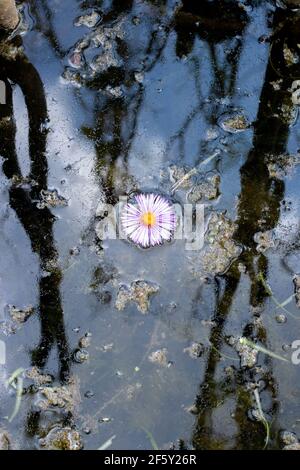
{"points": [[107, 98]]}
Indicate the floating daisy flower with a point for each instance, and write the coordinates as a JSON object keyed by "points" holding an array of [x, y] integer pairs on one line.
{"points": [[149, 220]]}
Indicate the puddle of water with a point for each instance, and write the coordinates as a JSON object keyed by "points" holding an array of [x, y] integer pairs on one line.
{"points": [[169, 85]]}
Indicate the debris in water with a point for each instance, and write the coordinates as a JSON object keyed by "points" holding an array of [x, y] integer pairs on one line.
{"points": [[85, 341], [221, 248], [19, 315], [51, 198], [66, 397], [90, 20], [138, 292], [195, 350], [280, 318], [159, 357], [290, 440], [248, 355], [255, 347], [181, 176], [234, 123], [207, 189], [81, 355], [4, 440], [23, 182], [60, 438], [37, 377], [264, 241], [16, 381]]}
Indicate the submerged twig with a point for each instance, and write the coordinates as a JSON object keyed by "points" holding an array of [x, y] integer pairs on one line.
{"points": [[107, 443], [277, 303], [151, 438], [16, 377], [262, 417], [193, 171]]}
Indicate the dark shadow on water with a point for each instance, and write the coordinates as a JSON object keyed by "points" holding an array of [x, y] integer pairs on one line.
{"points": [[258, 210], [37, 223]]}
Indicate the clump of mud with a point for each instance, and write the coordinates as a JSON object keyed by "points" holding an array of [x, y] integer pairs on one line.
{"points": [[105, 40], [289, 440], [221, 249], [89, 20], [160, 357], [50, 199], [235, 123], [195, 350], [264, 240], [207, 189], [138, 292], [248, 355], [66, 397], [37, 377], [14, 318], [4, 440], [198, 187], [19, 315], [24, 182], [282, 165], [61, 438]]}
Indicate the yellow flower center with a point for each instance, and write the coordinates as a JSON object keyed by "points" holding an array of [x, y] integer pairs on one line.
{"points": [[148, 218]]}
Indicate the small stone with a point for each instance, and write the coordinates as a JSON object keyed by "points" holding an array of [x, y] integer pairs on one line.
{"points": [[288, 437], [89, 394], [87, 430], [107, 347], [136, 20], [280, 318], [195, 350], [104, 419], [85, 341], [159, 357], [211, 134], [139, 77], [81, 356], [76, 60]]}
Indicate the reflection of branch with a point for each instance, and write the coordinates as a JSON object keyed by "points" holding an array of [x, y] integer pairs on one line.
{"points": [[259, 209], [38, 223]]}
